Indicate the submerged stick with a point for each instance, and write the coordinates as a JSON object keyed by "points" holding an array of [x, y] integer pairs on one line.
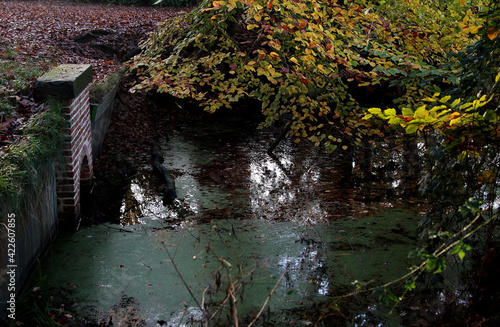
{"points": [[280, 137], [162, 172]]}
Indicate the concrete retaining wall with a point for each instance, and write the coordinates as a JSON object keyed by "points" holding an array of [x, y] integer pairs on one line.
{"points": [[101, 118], [35, 227]]}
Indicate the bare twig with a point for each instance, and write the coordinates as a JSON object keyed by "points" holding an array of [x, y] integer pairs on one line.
{"points": [[203, 298], [268, 298], [185, 283]]}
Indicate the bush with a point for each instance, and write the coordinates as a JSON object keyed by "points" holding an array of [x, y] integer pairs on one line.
{"points": [[318, 62]]}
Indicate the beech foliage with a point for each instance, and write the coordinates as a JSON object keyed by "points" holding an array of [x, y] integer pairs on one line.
{"points": [[320, 62]]}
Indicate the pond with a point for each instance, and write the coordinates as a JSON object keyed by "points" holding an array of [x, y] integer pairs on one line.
{"points": [[277, 238]]}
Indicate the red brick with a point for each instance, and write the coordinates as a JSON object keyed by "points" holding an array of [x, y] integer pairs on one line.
{"points": [[66, 195]]}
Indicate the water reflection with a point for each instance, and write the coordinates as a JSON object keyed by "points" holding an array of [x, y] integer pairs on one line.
{"points": [[212, 169], [143, 199], [300, 210], [283, 187]]}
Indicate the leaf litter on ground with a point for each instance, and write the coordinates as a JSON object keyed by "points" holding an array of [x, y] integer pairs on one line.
{"points": [[47, 33]]}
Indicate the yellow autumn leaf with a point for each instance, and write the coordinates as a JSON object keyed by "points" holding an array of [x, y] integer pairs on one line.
{"points": [[486, 176], [407, 112], [375, 111], [437, 108], [466, 105], [231, 4], [454, 103], [411, 128], [275, 45], [475, 29], [445, 99], [294, 60], [492, 32], [274, 55], [390, 112], [421, 113]]}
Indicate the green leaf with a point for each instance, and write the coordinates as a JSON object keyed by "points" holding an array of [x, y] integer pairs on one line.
{"points": [[395, 120], [411, 128], [407, 112], [445, 99], [490, 116], [331, 147], [375, 111], [415, 253], [460, 249], [390, 112], [385, 295], [473, 204], [435, 264], [410, 284], [421, 113], [456, 102]]}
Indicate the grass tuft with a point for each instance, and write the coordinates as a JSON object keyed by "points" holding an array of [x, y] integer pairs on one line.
{"points": [[15, 79], [99, 90], [23, 161]]}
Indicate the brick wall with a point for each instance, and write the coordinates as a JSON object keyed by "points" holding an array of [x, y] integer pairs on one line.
{"points": [[71, 84], [77, 155]]}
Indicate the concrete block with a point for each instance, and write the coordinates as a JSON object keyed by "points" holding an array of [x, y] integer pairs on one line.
{"points": [[64, 81]]}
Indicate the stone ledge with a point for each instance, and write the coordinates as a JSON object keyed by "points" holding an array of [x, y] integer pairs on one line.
{"points": [[64, 81]]}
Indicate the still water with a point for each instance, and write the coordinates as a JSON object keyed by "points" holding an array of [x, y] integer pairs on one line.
{"points": [[279, 237]]}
